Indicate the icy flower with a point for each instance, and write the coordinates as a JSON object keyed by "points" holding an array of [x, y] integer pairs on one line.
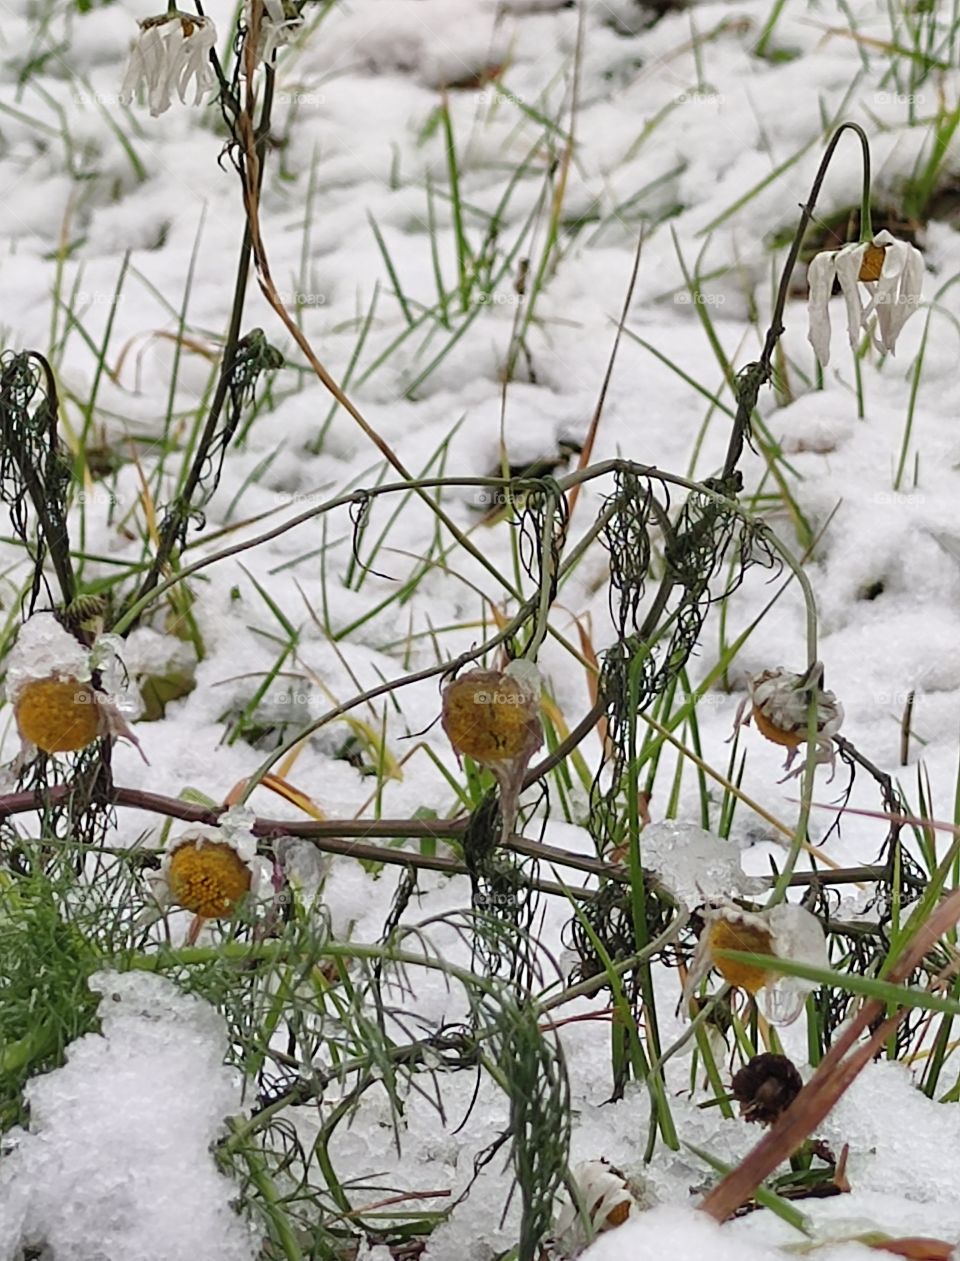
{"points": [[784, 931], [171, 50], [780, 703], [210, 870], [58, 706], [892, 273]]}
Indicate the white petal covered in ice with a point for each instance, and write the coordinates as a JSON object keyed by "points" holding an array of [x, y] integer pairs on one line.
{"points": [[798, 936]]}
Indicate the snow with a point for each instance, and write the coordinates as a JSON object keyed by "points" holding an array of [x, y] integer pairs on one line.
{"points": [[677, 120], [116, 1163]]}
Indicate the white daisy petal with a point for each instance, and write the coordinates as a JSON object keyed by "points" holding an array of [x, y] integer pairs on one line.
{"points": [[848, 262], [820, 276], [171, 51], [904, 300]]}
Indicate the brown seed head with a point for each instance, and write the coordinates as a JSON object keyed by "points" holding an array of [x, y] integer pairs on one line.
{"points": [[765, 1087]]}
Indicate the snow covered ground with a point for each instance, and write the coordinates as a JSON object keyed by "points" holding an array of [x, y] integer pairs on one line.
{"points": [[121, 234]]}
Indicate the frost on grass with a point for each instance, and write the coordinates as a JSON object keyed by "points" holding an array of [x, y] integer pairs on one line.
{"points": [[116, 1165]]}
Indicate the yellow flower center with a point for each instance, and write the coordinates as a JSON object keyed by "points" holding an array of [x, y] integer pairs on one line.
{"points": [[789, 739], [58, 715], [735, 934], [617, 1215], [207, 877], [871, 266], [489, 716]]}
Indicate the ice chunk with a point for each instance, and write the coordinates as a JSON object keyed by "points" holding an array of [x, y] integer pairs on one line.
{"points": [[44, 650], [694, 865]]}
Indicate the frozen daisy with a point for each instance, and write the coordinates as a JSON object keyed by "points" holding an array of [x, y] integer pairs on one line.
{"points": [[171, 50], [890, 271], [211, 870], [779, 704], [784, 931], [58, 703]]}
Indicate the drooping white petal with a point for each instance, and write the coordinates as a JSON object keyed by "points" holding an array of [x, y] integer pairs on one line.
{"points": [[849, 260], [903, 297], [820, 276], [193, 60]]}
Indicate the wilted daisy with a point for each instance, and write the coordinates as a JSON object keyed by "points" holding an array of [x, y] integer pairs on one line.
{"points": [[784, 931], [780, 704], [171, 50], [50, 683], [280, 22], [890, 271], [609, 1199], [211, 870]]}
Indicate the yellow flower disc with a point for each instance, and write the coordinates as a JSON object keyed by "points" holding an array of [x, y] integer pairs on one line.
{"points": [[617, 1215], [735, 934], [490, 716], [872, 265], [207, 877], [789, 739], [58, 715]]}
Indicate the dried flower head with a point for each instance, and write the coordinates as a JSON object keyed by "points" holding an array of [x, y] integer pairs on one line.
{"points": [[779, 703], [783, 931], [57, 706], [493, 715], [892, 273], [210, 870], [765, 1087], [171, 50]]}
